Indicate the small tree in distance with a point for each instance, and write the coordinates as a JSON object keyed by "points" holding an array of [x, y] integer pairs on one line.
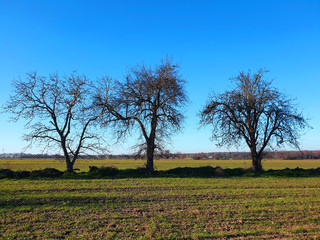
{"points": [[255, 112], [59, 113], [150, 100]]}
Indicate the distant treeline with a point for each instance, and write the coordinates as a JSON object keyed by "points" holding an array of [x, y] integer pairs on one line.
{"points": [[286, 155]]}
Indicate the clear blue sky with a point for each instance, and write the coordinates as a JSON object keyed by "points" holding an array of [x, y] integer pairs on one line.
{"points": [[211, 40]]}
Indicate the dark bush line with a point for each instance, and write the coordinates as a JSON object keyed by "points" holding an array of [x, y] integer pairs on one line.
{"points": [[200, 172], [47, 172]]}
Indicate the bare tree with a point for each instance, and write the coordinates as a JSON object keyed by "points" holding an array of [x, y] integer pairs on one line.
{"points": [[150, 99], [59, 113], [255, 112]]}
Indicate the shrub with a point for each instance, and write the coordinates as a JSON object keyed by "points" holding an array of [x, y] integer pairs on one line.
{"points": [[47, 172], [7, 173], [103, 171]]}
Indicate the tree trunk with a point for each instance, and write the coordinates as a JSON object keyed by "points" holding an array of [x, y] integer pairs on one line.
{"points": [[151, 145], [66, 156], [256, 162], [69, 166], [150, 152]]}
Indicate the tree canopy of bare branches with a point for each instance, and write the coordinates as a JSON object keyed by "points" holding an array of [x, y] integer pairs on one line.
{"points": [[59, 113], [149, 99], [255, 112]]}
